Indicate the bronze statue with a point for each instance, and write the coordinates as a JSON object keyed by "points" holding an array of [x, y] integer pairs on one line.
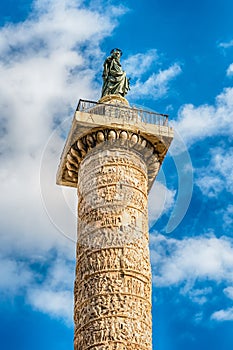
{"points": [[115, 81]]}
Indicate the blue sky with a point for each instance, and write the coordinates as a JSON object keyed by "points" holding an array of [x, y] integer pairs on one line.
{"points": [[179, 55]]}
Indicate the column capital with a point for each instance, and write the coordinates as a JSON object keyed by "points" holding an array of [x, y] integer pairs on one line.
{"points": [[104, 124]]}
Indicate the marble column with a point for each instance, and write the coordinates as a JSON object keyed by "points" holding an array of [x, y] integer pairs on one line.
{"points": [[113, 275]]}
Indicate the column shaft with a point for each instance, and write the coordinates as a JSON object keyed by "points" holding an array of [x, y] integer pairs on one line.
{"points": [[113, 275]]}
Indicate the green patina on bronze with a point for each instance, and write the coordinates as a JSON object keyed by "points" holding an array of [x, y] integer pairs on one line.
{"points": [[115, 81]]}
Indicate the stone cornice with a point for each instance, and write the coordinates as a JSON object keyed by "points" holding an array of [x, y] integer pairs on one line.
{"points": [[90, 130]]}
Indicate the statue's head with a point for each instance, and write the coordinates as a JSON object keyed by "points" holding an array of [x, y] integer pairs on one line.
{"points": [[116, 52]]}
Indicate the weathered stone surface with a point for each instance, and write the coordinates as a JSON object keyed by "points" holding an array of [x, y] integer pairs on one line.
{"points": [[113, 275]]}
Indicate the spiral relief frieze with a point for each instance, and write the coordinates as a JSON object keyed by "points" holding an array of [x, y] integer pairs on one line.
{"points": [[113, 275]]}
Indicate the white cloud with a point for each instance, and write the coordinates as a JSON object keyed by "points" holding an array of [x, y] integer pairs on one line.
{"points": [[138, 64], [14, 275], [223, 315], [192, 265], [49, 290], [229, 292], [57, 304], [222, 163], [230, 70], [210, 186], [228, 215], [52, 292], [197, 123], [53, 23], [190, 260], [157, 85]]}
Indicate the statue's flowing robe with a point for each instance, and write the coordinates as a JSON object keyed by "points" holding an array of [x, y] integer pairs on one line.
{"points": [[114, 78]]}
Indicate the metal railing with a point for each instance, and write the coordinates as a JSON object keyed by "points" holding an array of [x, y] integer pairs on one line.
{"points": [[130, 114]]}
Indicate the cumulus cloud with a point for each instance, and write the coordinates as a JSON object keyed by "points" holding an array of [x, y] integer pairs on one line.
{"points": [[191, 259], [194, 266], [57, 304], [223, 315], [14, 275], [210, 186], [229, 292], [222, 163], [138, 64], [197, 123], [228, 215], [52, 293], [47, 288], [157, 85]]}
